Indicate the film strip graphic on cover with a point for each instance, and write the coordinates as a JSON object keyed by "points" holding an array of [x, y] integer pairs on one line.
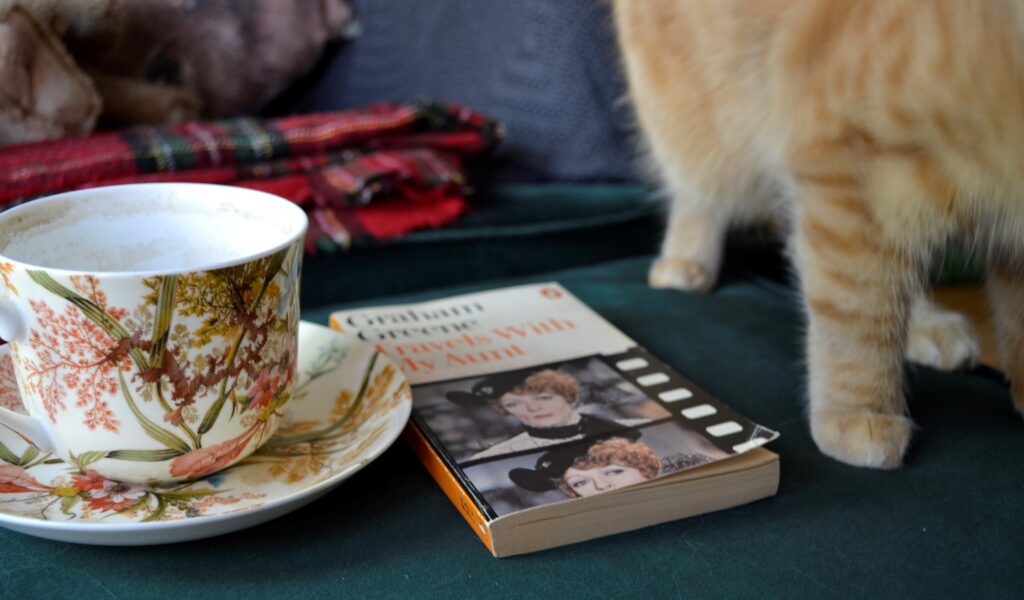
{"points": [[684, 403], [688, 403]]}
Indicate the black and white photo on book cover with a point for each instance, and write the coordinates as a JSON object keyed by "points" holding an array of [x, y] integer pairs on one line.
{"points": [[527, 409], [591, 466]]}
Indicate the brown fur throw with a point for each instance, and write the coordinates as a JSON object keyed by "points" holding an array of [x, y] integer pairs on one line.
{"points": [[153, 61]]}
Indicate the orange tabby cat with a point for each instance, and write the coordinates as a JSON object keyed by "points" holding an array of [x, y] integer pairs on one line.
{"points": [[883, 130]]}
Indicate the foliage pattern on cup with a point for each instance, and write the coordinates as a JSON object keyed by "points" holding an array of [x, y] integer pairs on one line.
{"points": [[191, 371]]}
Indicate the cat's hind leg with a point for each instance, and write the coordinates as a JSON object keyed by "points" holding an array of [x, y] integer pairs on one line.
{"points": [[691, 253], [940, 338], [731, 188]]}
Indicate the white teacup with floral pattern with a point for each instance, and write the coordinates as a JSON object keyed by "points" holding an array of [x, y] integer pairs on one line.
{"points": [[153, 327]]}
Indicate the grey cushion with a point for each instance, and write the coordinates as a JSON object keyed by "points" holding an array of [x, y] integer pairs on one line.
{"points": [[548, 70]]}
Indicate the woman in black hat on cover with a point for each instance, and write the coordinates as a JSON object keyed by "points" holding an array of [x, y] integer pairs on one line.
{"points": [[546, 403], [588, 470], [604, 465]]}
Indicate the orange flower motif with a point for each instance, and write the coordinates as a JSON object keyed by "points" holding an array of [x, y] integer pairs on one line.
{"points": [[14, 480], [204, 461], [89, 482]]}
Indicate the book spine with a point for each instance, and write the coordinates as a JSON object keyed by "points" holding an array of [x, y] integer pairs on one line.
{"points": [[451, 486]]}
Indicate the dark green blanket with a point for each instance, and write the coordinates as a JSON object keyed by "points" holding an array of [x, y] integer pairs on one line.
{"points": [[510, 231], [949, 525]]}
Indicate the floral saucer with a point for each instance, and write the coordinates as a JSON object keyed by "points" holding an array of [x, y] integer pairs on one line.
{"points": [[350, 404]]}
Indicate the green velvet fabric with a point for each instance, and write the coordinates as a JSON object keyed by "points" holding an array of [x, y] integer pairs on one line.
{"points": [[949, 525], [511, 230]]}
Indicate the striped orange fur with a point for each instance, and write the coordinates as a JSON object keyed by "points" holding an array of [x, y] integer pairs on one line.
{"points": [[882, 131]]}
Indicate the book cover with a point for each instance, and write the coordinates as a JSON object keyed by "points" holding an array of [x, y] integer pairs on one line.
{"points": [[525, 398]]}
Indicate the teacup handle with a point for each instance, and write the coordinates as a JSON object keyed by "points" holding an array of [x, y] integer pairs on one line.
{"points": [[13, 328], [30, 428]]}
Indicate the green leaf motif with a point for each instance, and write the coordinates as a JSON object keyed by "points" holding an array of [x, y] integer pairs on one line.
{"points": [[319, 434], [161, 508], [212, 414], [164, 316], [29, 455], [87, 458], [191, 494], [144, 455], [7, 456], [155, 431]]}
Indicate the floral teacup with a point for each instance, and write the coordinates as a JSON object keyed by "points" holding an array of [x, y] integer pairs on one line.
{"points": [[152, 327]]}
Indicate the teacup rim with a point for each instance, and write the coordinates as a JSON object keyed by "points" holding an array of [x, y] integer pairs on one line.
{"points": [[125, 188]]}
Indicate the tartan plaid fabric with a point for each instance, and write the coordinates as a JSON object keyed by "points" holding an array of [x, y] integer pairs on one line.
{"points": [[373, 173]]}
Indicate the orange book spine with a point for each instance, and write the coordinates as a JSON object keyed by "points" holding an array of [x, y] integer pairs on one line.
{"points": [[451, 486]]}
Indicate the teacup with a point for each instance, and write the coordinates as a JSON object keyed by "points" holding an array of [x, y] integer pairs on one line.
{"points": [[153, 327]]}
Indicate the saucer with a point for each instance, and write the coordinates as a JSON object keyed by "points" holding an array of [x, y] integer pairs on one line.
{"points": [[350, 404]]}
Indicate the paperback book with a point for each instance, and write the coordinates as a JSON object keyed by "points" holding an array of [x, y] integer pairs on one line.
{"points": [[545, 425]]}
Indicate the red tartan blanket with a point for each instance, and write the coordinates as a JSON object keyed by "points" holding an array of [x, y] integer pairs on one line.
{"points": [[374, 173]]}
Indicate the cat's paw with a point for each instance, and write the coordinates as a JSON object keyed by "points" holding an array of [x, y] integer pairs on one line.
{"points": [[941, 338], [680, 274], [863, 439]]}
